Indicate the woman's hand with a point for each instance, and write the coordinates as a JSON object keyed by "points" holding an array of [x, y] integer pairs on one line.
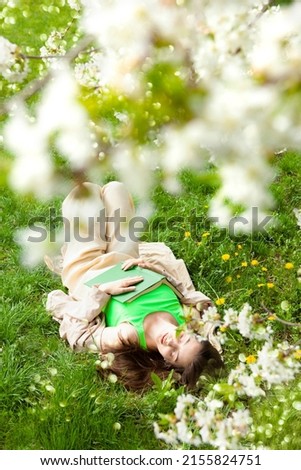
{"points": [[121, 286], [130, 263]]}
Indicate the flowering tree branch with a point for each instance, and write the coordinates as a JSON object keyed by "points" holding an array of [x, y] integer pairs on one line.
{"points": [[152, 97], [41, 57], [36, 85], [280, 320]]}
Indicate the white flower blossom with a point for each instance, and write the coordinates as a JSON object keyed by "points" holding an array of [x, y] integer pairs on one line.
{"points": [[236, 122], [7, 54], [32, 174], [70, 120], [202, 422], [170, 436], [74, 4], [32, 170], [297, 213], [112, 378], [183, 148], [57, 113], [183, 432], [276, 365], [210, 314], [212, 403], [12, 66], [55, 45], [182, 402], [125, 157], [230, 318], [36, 242], [276, 54], [89, 74], [117, 72], [112, 23], [244, 382], [250, 327], [232, 429], [126, 48]]}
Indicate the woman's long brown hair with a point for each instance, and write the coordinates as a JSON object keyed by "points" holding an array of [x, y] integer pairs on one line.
{"points": [[134, 366]]}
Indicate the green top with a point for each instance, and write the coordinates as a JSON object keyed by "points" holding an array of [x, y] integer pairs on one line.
{"points": [[161, 299]]}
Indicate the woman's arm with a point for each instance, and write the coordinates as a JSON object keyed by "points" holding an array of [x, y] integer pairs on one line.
{"points": [[190, 295], [116, 338], [82, 324]]}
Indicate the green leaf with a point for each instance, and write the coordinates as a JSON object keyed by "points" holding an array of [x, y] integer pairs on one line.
{"points": [[157, 381]]}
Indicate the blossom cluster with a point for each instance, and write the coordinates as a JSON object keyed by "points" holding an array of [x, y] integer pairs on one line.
{"points": [[74, 4], [232, 75], [60, 119], [55, 45], [12, 65], [223, 49], [7, 55], [214, 419], [200, 421]]}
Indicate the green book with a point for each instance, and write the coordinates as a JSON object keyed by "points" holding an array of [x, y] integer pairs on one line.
{"points": [[151, 280]]}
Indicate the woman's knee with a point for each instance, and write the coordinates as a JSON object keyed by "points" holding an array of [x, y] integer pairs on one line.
{"points": [[83, 191], [114, 187], [80, 197], [116, 195]]}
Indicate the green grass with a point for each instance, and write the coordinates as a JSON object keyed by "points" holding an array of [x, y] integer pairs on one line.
{"points": [[52, 398], [80, 410]]}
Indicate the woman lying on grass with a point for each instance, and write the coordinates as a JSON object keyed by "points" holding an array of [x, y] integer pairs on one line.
{"points": [[145, 334]]}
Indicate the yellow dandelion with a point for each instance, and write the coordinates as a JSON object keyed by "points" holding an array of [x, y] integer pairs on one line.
{"points": [[236, 253], [270, 285], [220, 301], [244, 264], [205, 234], [260, 285], [297, 354], [229, 279], [251, 359], [238, 276], [288, 265], [264, 269], [271, 318], [239, 247], [226, 257], [254, 262], [187, 234]]}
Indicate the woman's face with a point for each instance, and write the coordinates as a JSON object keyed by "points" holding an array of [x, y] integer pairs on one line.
{"points": [[178, 348]]}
